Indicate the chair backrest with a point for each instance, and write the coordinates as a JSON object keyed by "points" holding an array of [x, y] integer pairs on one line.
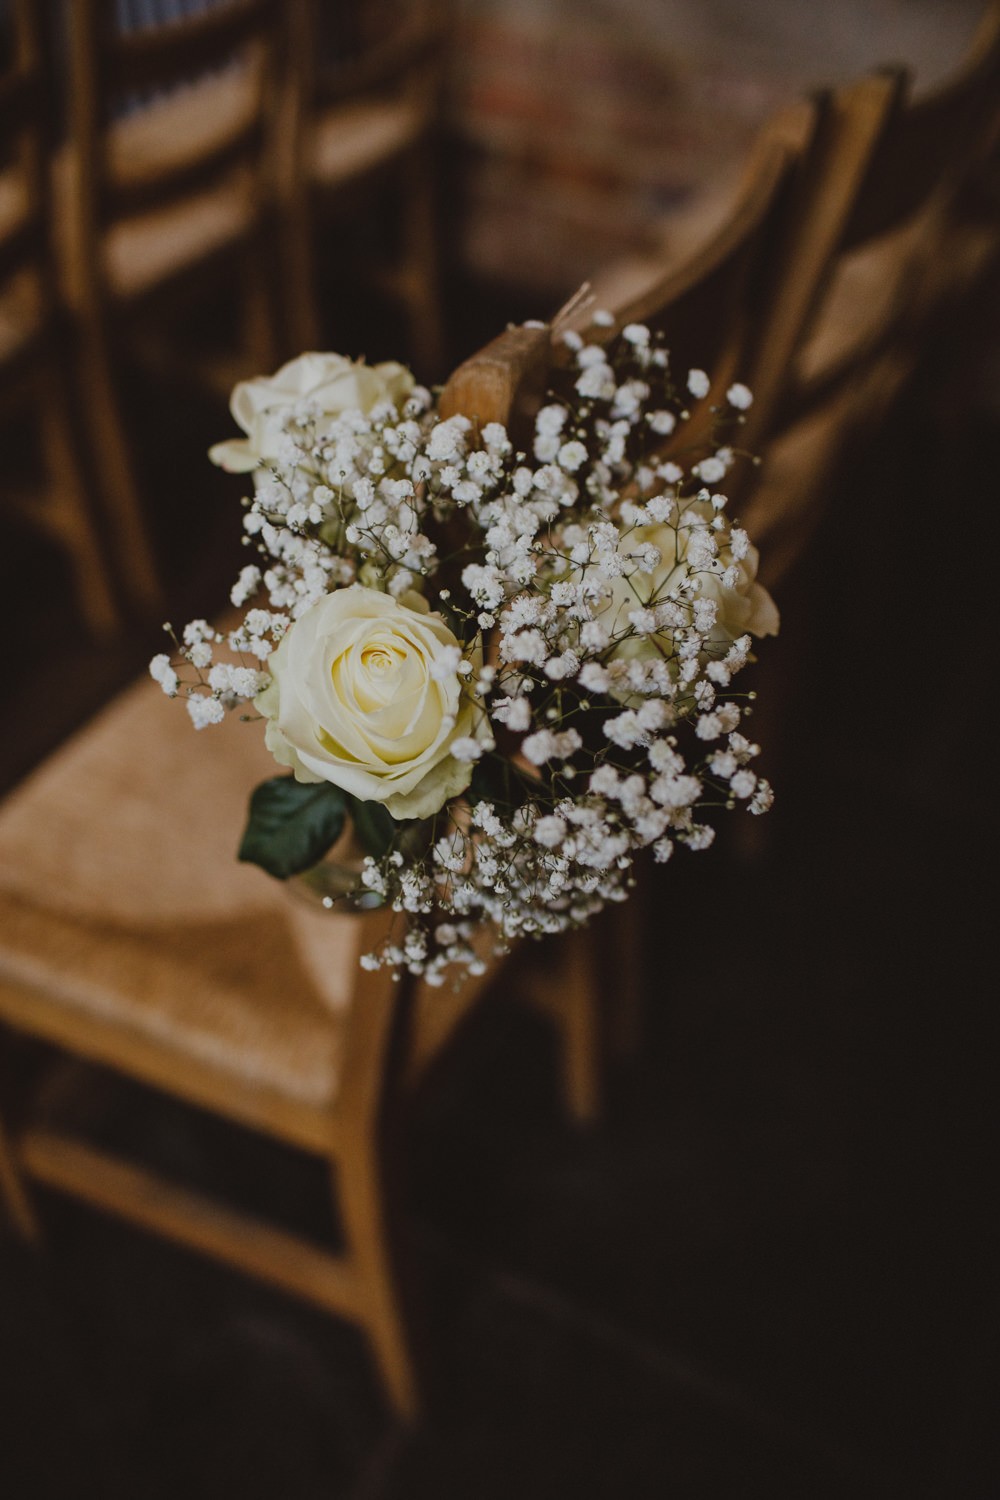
{"points": [[25, 205], [122, 76], [710, 308], [874, 212], [345, 53], [869, 220]]}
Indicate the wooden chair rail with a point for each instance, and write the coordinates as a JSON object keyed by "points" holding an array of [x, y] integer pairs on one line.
{"points": [[26, 1009], [922, 147], [192, 1219], [163, 186], [416, 45]]}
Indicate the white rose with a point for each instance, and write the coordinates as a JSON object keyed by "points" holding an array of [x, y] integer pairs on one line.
{"points": [[744, 606], [329, 382], [365, 693]]}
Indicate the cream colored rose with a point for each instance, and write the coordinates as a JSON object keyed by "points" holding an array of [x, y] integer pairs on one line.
{"points": [[744, 607], [330, 382], [365, 693]]}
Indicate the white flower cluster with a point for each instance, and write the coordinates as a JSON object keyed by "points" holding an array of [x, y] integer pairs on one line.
{"points": [[616, 601], [210, 687]]}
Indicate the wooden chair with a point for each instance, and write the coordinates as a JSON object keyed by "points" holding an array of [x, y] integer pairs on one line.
{"points": [[132, 937], [865, 250], [712, 309], [871, 259], [364, 112], [730, 238], [34, 334], [165, 193]]}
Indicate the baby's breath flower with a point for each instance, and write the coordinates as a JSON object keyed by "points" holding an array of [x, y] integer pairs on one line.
{"points": [[205, 710], [711, 470], [466, 748], [162, 672]]}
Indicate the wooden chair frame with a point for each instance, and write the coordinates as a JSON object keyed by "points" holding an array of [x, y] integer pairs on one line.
{"points": [[361, 1283], [407, 63], [34, 371], [394, 1031], [106, 66], [717, 308], [881, 164]]}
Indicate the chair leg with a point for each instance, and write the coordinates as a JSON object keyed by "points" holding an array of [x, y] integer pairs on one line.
{"points": [[95, 593], [13, 1193], [113, 466], [577, 1013], [621, 934], [361, 1197]]}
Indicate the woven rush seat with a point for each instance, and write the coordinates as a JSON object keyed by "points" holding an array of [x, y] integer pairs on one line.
{"points": [[121, 898]]}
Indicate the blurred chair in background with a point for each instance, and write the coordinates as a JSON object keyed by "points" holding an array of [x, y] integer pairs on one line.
{"points": [[166, 199], [872, 262], [34, 333], [360, 160], [872, 249]]}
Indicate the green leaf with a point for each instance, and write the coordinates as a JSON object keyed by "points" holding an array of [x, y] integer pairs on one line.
{"points": [[292, 824], [376, 828]]}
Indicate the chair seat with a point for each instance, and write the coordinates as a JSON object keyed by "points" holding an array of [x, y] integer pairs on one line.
{"points": [[121, 899], [351, 140], [149, 248]]}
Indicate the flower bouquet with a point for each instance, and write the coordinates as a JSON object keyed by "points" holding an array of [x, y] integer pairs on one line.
{"points": [[510, 670]]}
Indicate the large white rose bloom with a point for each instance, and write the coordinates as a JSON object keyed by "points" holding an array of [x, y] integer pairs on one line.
{"points": [[328, 382], [365, 693], [744, 606]]}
